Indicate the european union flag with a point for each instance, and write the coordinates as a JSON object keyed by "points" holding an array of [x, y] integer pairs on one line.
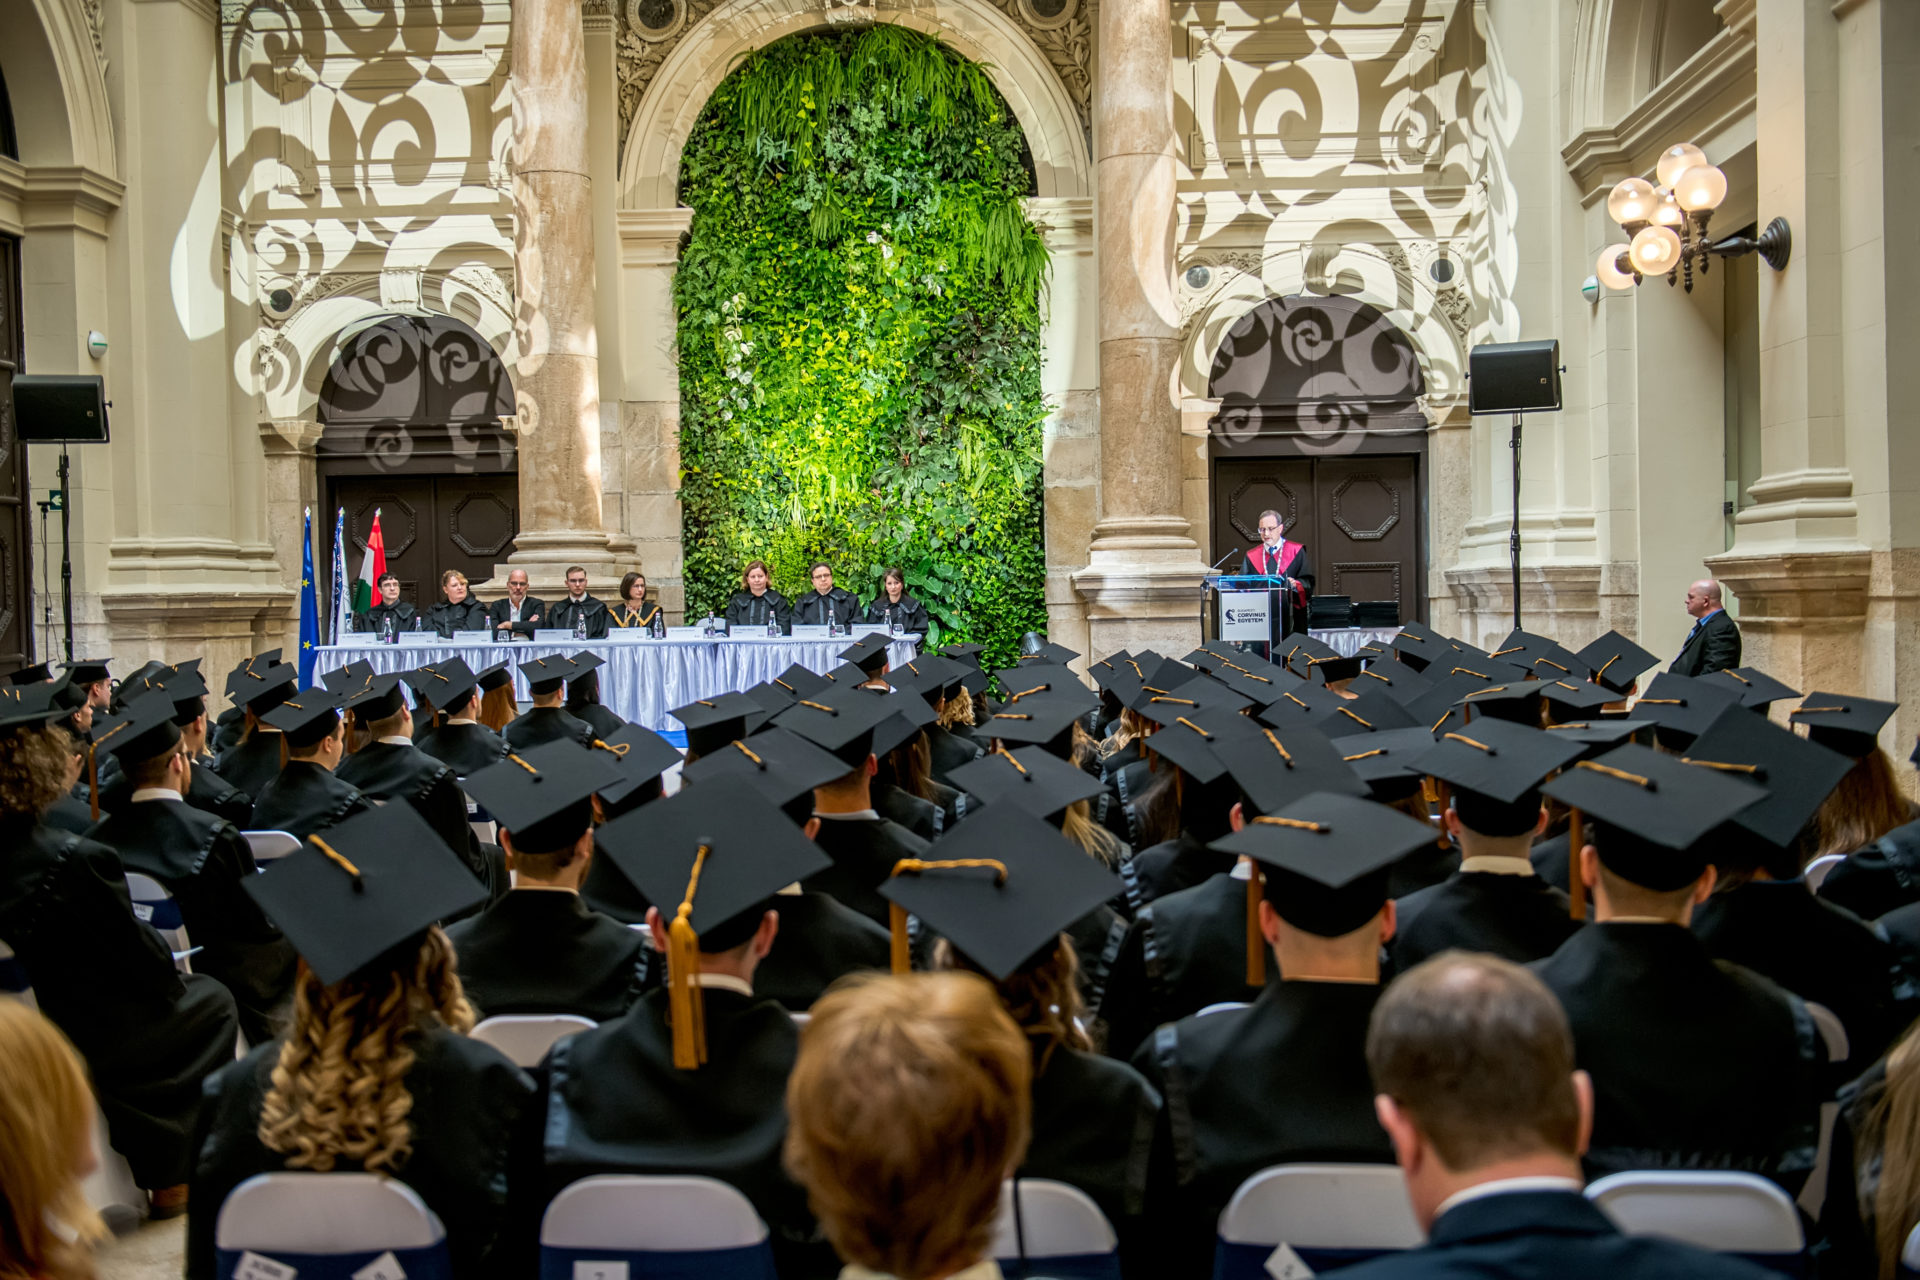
{"points": [[309, 607]]}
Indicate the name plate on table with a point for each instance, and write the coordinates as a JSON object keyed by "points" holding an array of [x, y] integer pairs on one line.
{"points": [[815, 632], [419, 639], [688, 633], [553, 635], [1246, 615]]}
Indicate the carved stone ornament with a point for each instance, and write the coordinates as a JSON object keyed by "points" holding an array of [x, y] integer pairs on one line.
{"points": [[96, 11]]}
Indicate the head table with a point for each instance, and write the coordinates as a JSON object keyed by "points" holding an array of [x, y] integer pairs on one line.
{"points": [[642, 678]]}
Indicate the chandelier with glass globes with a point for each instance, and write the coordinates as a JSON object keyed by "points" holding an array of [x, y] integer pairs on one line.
{"points": [[1666, 225]]}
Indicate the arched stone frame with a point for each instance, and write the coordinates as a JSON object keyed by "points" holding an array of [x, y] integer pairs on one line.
{"points": [[641, 455], [60, 60]]}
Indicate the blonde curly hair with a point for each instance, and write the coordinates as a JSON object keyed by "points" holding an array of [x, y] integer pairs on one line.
{"points": [[1042, 996], [35, 769], [340, 1087], [957, 711]]}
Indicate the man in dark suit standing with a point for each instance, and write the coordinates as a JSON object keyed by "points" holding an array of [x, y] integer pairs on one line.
{"points": [[1473, 1062], [1714, 642], [519, 615]]}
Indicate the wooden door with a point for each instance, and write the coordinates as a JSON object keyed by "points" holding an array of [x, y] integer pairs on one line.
{"points": [[430, 523], [1244, 487], [16, 549]]}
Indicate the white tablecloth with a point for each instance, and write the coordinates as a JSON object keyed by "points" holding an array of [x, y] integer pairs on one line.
{"points": [[641, 678], [1346, 641]]}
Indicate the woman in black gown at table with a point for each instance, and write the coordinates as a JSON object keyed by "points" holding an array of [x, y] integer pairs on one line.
{"points": [[757, 602], [893, 604], [459, 611], [632, 609]]}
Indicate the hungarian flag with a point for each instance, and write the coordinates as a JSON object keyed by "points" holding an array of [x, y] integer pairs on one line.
{"points": [[373, 566]]}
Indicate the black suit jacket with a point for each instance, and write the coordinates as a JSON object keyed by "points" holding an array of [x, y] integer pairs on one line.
{"points": [[1546, 1235], [1714, 645], [533, 611]]}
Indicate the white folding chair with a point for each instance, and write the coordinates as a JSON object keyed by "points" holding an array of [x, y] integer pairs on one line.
{"points": [[268, 845], [525, 1038], [1057, 1232], [15, 984], [352, 1219], [1327, 1215], [156, 907], [1222, 1006], [1813, 1196], [618, 1222], [1817, 871], [1725, 1212]]}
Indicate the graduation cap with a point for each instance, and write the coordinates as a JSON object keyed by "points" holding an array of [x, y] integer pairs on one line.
{"points": [[1188, 746], [1388, 761], [1212, 654], [843, 721], [1417, 645], [1370, 712], [1274, 767], [1848, 724], [1682, 707], [1756, 688], [846, 675], [1522, 647], [261, 689], [349, 679], [547, 675], [1302, 704], [144, 729], [543, 796], [800, 681], [713, 722], [1303, 650], [188, 689], [306, 718], [584, 664], [999, 888], [448, 686], [494, 677], [968, 655], [1326, 857], [32, 704], [377, 700], [243, 678], [1033, 778], [933, 678], [869, 653], [88, 670], [1151, 680], [1399, 681], [1334, 669], [1574, 698], [1799, 774], [1558, 663], [39, 673], [1518, 702], [1654, 810], [1201, 697], [1495, 768], [778, 763], [1022, 683], [1044, 719], [1616, 661], [638, 755], [1057, 654], [771, 697], [365, 890], [1104, 671], [719, 850], [1596, 737]]}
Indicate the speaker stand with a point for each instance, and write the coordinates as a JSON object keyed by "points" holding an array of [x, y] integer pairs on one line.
{"points": [[46, 581], [66, 549], [1513, 537]]}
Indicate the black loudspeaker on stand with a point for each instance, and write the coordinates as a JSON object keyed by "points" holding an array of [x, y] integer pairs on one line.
{"points": [[62, 409], [1515, 378]]}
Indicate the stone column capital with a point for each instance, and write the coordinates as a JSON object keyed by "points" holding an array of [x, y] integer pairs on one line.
{"points": [[297, 437], [1065, 222], [651, 237]]}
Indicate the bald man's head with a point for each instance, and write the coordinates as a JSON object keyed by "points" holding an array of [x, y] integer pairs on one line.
{"points": [[1703, 597]]}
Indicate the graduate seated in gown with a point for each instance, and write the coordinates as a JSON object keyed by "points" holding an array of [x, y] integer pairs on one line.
{"points": [[1474, 1065], [47, 1114], [1284, 1080], [1868, 818], [693, 1079], [1696, 1063], [206, 790], [910, 1103], [149, 1033], [257, 686], [459, 741], [377, 1072], [548, 721], [539, 949], [305, 796], [201, 860], [583, 697]]}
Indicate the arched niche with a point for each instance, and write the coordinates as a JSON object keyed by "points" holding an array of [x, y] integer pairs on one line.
{"points": [[1316, 366], [407, 389], [61, 112]]}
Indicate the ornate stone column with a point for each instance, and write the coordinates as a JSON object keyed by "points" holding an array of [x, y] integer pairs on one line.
{"points": [[557, 381], [1142, 581]]}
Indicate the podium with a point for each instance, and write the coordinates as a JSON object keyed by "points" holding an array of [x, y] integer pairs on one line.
{"points": [[1252, 608]]}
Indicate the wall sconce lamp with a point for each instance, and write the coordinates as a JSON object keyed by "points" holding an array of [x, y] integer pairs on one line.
{"points": [[1666, 225]]}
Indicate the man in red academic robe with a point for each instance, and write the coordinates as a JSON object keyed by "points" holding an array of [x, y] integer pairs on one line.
{"points": [[1278, 557]]}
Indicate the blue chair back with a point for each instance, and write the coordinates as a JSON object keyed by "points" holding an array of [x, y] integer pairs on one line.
{"points": [[1058, 1232], [331, 1226], [654, 1228], [1329, 1215]]}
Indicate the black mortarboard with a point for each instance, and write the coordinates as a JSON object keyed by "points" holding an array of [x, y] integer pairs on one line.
{"points": [[348, 680], [1401, 682], [1302, 650], [646, 755], [1848, 724], [841, 720], [238, 678], [968, 655], [1497, 759], [1573, 698], [1334, 669], [1023, 883], [1043, 719], [1518, 701], [1483, 672], [1682, 706], [907, 717], [355, 892], [713, 722], [1653, 812], [547, 675], [869, 653], [1209, 655], [1303, 704], [307, 717], [188, 689], [1557, 663], [1798, 774], [779, 764], [1327, 857], [378, 699], [931, 677], [1522, 647], [143, 730], [448, 686], [1597, 737], [1034, 778], [263, 688], [494, 677], [1275, 767], [845, 676], [584, 663], [1755, 687], [1370, 712], [31, 704], [1418, 644], [771, 697], [88, 670], [1387, 762], [543, 796], [1200, 698], [1260, 683], [39, 673], [1106, 669], [800, 681], [1057, 654], [1035, 678], [1616, 661]]}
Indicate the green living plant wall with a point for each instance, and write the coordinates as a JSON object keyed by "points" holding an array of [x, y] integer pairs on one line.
{"points": [[859, 334]]}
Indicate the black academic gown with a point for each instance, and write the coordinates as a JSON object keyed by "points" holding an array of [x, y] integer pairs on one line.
{"points": [[211, 793], [813, 609], [819, 941], [467, 1099], [202, 861], [544, 951], [909, 613], [1169, 867], [533, 612], [615, 1103], [1093, 1124], [305, 798], [949, 751], [623, 617], [749, 612], [71, 814], [1696, 1063], [1820, 952], [375, 619], [464, 748], [1546, 1235], [1284, 1081], [922, 817], [541, 725], [401, 771], [449, 619], [863, 853], [227, 728], [149, 1034], [1550, 861], [590, 609], [1520, 918], [251, 763], [1182, 953], [1875, 880], [597, 717]]}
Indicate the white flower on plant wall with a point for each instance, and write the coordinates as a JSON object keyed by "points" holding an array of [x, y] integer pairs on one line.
{"points": [[873, 237]]}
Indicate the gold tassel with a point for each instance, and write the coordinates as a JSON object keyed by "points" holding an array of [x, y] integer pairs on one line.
{"points": [[1256, 944], [93, 782], [684, 1005], [1576, 887], [902, 955]]}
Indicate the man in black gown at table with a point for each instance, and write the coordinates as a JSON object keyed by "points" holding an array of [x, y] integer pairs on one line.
{"points": [[825, 602], [577, 611], [306, 797], [389, 615]]}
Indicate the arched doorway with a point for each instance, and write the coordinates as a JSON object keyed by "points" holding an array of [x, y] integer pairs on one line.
{"points": [[411, 413], [1320, 420]]}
